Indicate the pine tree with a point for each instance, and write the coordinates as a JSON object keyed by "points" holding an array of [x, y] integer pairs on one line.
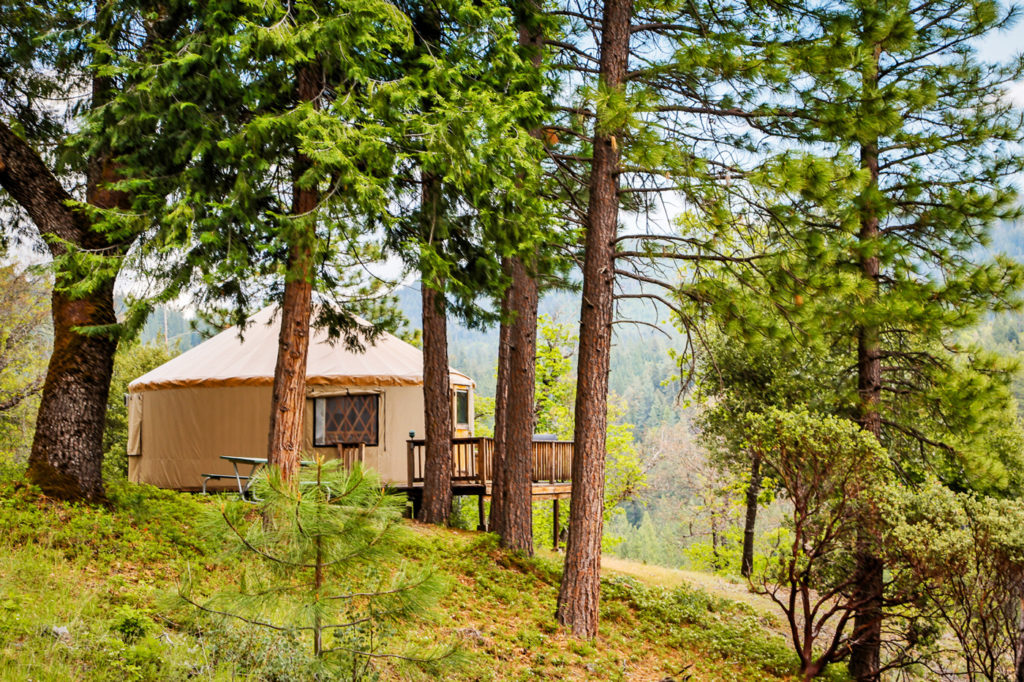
{"points": [[70, 184], [466, 184], [893, 155], [511, 497], [321, 563], [636, 130], [902, 92], [283, 172]]}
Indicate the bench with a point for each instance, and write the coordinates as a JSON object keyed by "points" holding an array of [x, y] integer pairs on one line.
{"points": [[210, 477]]}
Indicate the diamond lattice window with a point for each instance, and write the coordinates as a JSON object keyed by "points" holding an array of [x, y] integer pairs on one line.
{"points": [[346, 420]]}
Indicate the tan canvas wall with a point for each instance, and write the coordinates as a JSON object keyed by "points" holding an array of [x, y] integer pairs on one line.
{"points": [[134, 424], [184, 431]]}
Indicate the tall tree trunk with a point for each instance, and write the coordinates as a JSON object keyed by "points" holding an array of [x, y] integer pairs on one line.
{"points": [[288, 401], [437, 408], [498, 515], [515, 486], [580, 589], [67, 449], [517, 481], [865, 654], [753, 493], [437, 398]]}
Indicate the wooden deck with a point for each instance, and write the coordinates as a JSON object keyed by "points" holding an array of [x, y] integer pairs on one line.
{"points": [[473, 465], [540, 491]]}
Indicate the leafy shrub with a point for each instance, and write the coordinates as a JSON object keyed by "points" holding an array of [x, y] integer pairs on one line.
{"points": [[131, 624], [143, 524], [689, 617]]}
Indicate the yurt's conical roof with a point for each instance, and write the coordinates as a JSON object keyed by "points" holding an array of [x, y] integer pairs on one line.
{"points": [[226, 360]]}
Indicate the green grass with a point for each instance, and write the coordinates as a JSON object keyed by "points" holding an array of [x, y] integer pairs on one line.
{"points": [[106, 575]]}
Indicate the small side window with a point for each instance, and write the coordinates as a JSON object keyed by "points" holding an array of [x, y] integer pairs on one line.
{"points": [[462, 407]]}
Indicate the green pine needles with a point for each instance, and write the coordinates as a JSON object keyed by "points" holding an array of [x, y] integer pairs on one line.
{"points": [[320, 564]]}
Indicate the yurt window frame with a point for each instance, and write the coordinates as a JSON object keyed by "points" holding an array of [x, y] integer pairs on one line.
{"points": [[319, 417], [460, 392]]}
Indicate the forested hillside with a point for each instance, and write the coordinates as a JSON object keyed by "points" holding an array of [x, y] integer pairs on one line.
{"points": [[740, 283]]}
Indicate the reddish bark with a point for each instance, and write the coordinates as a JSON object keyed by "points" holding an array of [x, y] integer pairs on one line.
{"points": [[437, 409], [498, 515], [512, 498], [516, 511], [865, 654], [580, 589], [288, 401]]}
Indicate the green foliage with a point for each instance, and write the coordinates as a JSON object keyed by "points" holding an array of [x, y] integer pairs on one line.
{"points": [[226, 232], [500, 605], [555, 389], [832, 473], [739, 377], [468, 174], [147, 525], [888, 151], [24, 349], [326, 570], [729, 629], [645, 543], [131, 624], [131, 361], [962, 559], [555, 400]]}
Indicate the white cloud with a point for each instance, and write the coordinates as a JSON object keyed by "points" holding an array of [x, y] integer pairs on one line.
{"points": [[1016, 93]]}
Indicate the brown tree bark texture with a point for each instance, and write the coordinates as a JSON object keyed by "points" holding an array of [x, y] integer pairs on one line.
{"points": [[67, 448], [288, 399], [437, 399], [514, 487], [517, 482], [437, 409], [581, 580], [865, 654], [750, 521], [498, 515]]}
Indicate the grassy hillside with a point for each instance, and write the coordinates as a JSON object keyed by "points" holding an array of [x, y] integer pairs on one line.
{"points": [[84, 595]]}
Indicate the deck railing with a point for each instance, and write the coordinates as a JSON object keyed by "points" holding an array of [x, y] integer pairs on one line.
{"points": [[473, 460]]}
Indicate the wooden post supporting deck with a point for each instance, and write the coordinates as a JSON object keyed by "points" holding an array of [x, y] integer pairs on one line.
{"points": [[555, 523], [411, 461], [482, 523]]}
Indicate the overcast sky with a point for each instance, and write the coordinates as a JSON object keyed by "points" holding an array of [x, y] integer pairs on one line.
{"points": [[1003, 46]]}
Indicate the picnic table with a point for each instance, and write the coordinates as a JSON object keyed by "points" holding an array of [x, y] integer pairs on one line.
{"points": [[253, 463]]}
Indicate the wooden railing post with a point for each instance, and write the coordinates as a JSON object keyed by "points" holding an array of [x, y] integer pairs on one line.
{"points": [[412, 461], [556, 521], [480, 464]]}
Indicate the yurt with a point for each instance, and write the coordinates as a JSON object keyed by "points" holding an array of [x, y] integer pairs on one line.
{"points": [[214, 400]]}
